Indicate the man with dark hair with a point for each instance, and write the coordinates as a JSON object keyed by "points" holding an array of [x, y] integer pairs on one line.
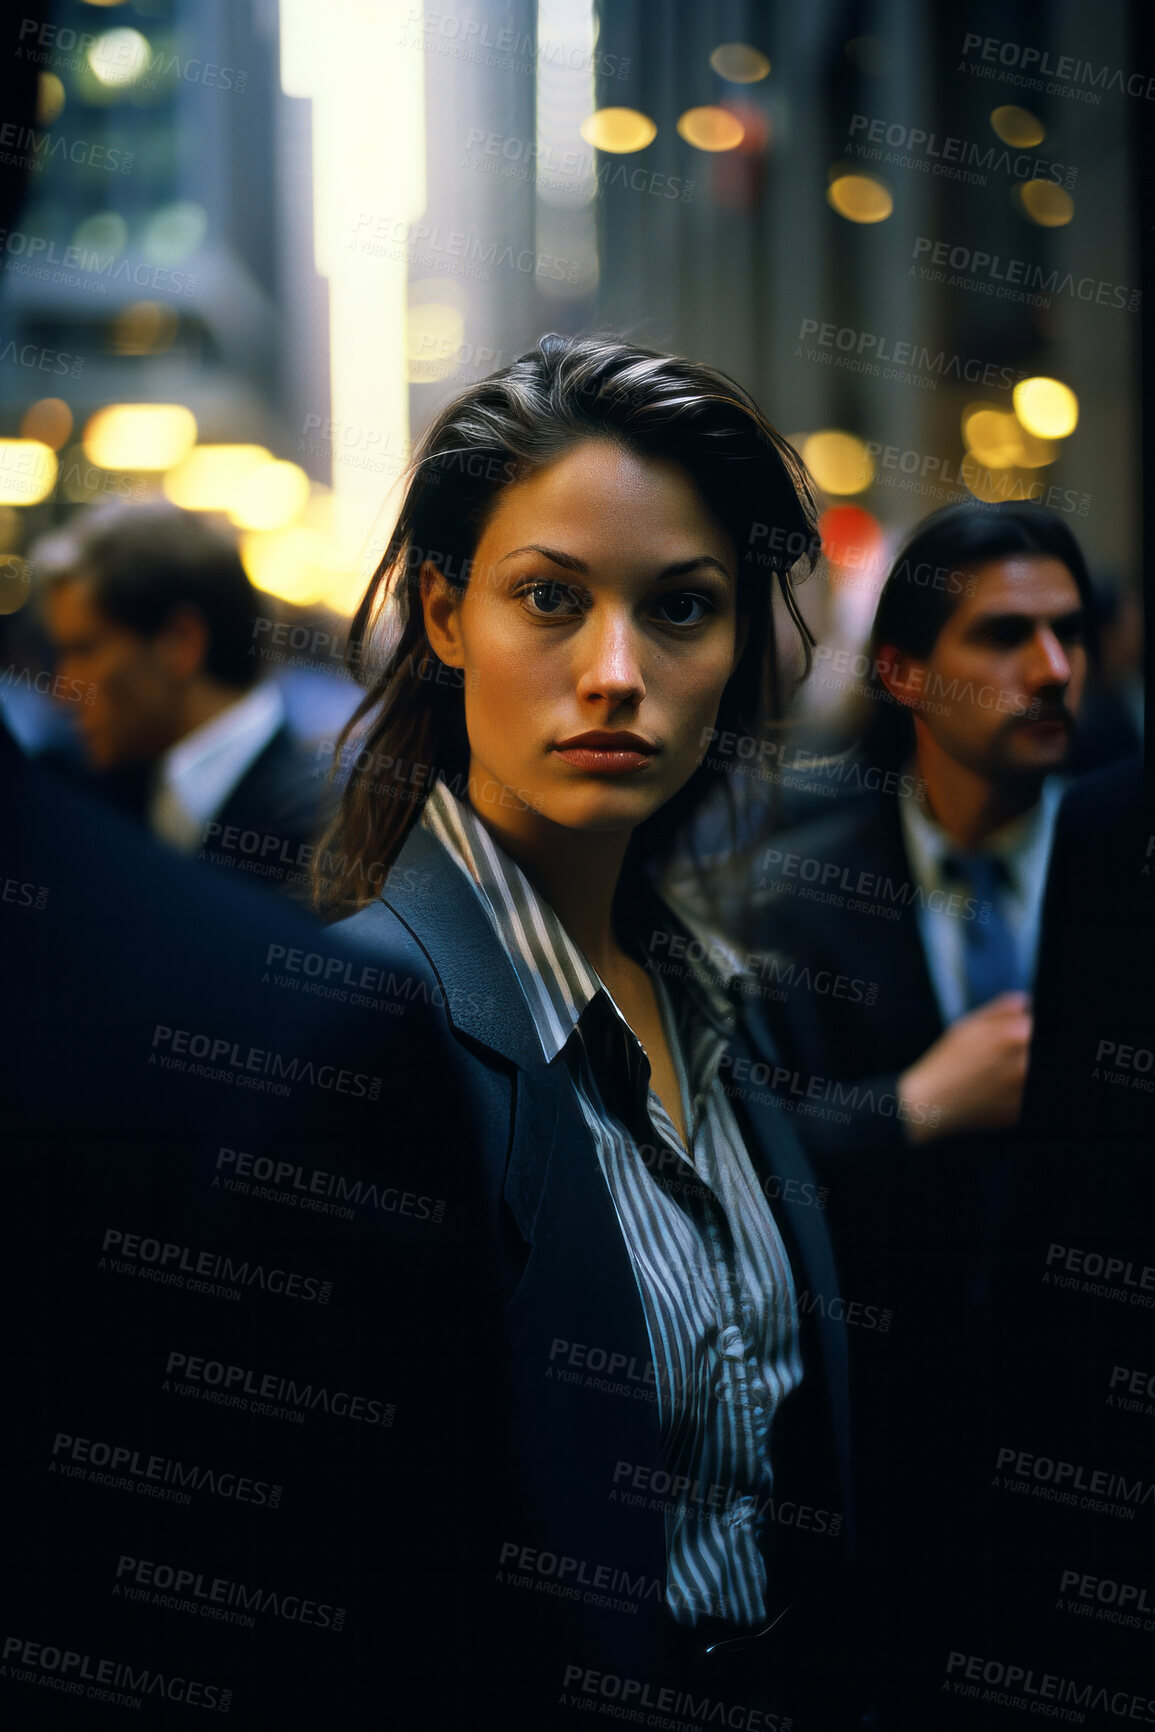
{"points": [[896, 938], [979, 657], [151, 608]]}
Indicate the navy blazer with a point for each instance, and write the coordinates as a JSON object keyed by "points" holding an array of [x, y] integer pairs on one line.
{"points": [[582, 1418]]}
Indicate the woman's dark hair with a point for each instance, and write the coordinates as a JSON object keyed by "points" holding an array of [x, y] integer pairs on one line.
{"points": [[929, 578], [141, 562], [494, 434]]}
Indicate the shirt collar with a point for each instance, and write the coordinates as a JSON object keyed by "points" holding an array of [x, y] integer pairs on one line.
{"points": [[1022, 846], [195, 777], [555, 977]]}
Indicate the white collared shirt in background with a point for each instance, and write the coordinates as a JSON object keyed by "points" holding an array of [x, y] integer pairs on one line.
{"points": [[195, 777]]}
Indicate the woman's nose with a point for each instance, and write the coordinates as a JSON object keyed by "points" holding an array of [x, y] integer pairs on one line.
{"points": [[609, 659]]}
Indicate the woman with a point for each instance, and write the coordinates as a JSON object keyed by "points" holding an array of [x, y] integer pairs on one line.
{"points": [[574, 614]]}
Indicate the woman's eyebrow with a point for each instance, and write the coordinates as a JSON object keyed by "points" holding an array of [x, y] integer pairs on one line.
{"points": [[571, 562], [682, 566]]}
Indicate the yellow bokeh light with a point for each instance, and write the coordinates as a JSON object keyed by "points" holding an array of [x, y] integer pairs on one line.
{"points": [[27, 471], [345, 580], [50, 421], [50, 99], [620, 130], [288, 563], [839, 462], [995, 486], [211, 475], [118, 57], [859, 198], [346, 591], [998, 438], [1046, 407], [1036, 453], [710, 128], [1018, 127], [1045, 203], [435, 333], [738, 63], [140, 436], [270, 496], [11, 529], [82, 482], [992, 435]]}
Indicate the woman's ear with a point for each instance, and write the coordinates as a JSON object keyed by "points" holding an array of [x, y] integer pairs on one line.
{"points": [[441, 604]]}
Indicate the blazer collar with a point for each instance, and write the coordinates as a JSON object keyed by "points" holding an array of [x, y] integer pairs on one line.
{"points": [[483, 996]]}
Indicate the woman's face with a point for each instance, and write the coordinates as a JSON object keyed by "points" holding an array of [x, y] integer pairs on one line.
{"points": [[598, 630]]}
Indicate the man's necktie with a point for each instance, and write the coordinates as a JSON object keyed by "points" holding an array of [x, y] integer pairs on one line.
{"points": [[991, 962], [991, 965]]}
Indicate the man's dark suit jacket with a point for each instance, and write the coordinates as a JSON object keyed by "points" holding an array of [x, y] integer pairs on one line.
{"points": [[272, 819], [850, 1002], [324, 1404], [964, 1408], [1077, 1278], [850, 995], [267, 827], [1098, 919]]}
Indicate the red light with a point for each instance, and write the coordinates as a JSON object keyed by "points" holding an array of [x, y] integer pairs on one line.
{"points": [[851, 538]]}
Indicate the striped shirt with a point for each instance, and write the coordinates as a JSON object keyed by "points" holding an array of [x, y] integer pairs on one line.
{"points": [[711, 1269]]}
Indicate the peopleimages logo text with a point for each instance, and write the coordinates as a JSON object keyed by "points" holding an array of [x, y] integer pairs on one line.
{"points": [[219, 1051], [1039, 63], [90, 264], [219, 1594], [80, 1674], [164, 1254], [978, 263]]}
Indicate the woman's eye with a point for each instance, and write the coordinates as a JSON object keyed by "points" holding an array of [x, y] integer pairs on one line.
{"points": [[552, 599], [685, 607]]}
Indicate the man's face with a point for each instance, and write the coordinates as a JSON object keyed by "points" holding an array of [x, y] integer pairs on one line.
{"points": [[132, 718], [1001, 688]]}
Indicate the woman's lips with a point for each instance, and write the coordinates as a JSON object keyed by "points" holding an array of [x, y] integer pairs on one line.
{"points": [[605, 760]]}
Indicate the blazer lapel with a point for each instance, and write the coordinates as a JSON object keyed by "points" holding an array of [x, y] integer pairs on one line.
{"points": [[427, 892], [483, 997], [578, 1280]]}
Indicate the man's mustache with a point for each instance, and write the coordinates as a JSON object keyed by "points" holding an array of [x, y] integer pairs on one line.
{"points": [[1046, 710]]}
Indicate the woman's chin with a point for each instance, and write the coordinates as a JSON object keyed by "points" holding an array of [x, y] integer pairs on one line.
{"points": [[603, 811]]}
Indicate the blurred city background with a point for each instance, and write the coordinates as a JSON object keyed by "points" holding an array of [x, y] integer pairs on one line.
{"points": [[252, 245]]}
